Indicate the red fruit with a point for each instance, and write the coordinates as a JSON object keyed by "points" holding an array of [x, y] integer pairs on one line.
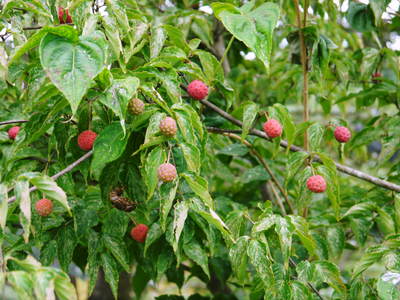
{"points": [[316, 184], [342, 134], [197, 89], [167, 172], [44, 207], [86, 140], [273, 128], [69, 18], [136, 106], [139, 233], [61, 15], [168, 126], [13, 131], [376, 77]]}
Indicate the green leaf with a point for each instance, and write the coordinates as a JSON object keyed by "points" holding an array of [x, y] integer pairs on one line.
{"points": [[72, 65], [111, 272], [66, 242], [192, 157], [157, 40], [22, 282], [180, 215], [177, 38], [257, 252], [65, 31], [200, 187], [371, 256], [360, 16], [117, 97], [154, 159], [118, 249], [257, 173], [3, 205], [386, 286], [167, 197], [294, 162], [250, 111], [285, 230], [254, 27], [264, 224], [108, 146], [234, 150], [211, 66], [316, 135], [238, 257], [154, 233], [211, 217], [385, 222], [378, 7], [287, 121], [336, 240], [22, 196], [65, 290], [196, 252], [49, 187]]}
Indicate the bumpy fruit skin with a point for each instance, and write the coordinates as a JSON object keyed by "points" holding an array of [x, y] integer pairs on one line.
{"points": [[13, 131], [61, 15], [167, 172], [136, 106], [64, 20], [139, 233], [342, 134], [272, 128], [69, 18], [197, 89], [86, 140], [44, 207], [168, 126], [316, 184]]}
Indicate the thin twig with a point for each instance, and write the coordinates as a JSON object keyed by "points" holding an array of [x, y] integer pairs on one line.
{"points": [[342, 168], [268, 169], [13, 122], [62, 172], [292, 262], [304, 64]]}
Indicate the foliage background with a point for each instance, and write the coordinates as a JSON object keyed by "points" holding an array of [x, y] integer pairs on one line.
{"points": [[224, 221]]}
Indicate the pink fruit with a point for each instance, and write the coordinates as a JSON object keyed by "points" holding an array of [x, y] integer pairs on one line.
{"points": [[197, 89], [13, 131], [272, 128], [167, 172], [139, 233], [316, 184], [86, 140], [168, 126], [342, 134], [44, 207]]}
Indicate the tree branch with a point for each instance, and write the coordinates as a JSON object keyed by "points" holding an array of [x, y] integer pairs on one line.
{"points": [[304, 63], [342, 168], [269, 171], [62, 172], [13, 122]]}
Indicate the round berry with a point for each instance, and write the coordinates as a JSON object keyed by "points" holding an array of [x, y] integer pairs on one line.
{"points": [[342, 134], [167, 172], [197, 89], [44, 207], [139, 233], [136, 106], [13, 131], [272, 128], [316, 184], [86, 140], [168, 126], [69, 18], [377, 77], [61, 15]]}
